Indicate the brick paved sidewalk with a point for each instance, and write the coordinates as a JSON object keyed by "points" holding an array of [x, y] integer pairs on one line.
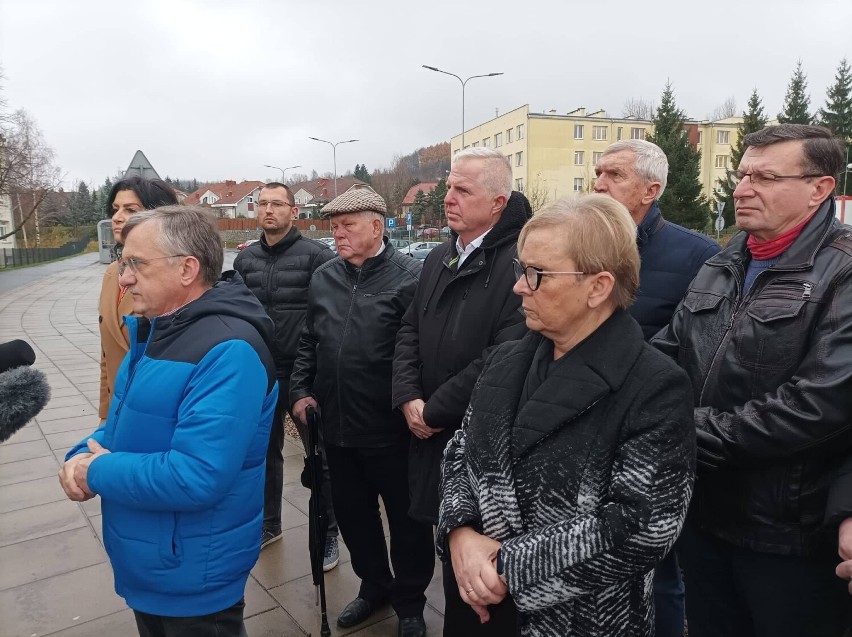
{"points": [[55, 578]]}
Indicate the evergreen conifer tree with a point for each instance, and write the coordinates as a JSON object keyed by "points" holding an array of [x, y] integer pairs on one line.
{"points": [[837, 115], [683, 201], [754, 119], [796, 101]]}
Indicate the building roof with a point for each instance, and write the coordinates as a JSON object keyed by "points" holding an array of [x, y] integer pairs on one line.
{"points": [[426, 187], [141, 167], [323, 188], [228, 192]]}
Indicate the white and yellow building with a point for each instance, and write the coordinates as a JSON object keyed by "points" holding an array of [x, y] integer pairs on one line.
{"points": [[554, 155]]}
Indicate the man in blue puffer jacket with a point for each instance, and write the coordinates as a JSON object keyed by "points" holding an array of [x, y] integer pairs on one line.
{"points": [[179, 462], [634, 173]]}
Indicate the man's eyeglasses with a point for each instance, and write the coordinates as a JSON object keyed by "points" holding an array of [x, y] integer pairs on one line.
{"points": [[759, 180], [533, 274], [133, 264], [276, 205]]}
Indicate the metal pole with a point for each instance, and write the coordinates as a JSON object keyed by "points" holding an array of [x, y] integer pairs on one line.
{"points": [[334, 153], [463, 82]]}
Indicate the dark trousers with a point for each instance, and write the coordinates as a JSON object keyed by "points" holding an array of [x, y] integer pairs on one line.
{"points": [[225, 623], [358, 478], [460, 620], [668, 597], [273, 488], [736, 592]]}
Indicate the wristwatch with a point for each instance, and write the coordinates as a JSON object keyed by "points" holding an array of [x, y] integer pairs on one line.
{"points": [[499, 565]]}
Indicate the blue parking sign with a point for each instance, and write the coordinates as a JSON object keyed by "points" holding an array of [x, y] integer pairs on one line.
{"points": [[408, 219], [391, 222]]}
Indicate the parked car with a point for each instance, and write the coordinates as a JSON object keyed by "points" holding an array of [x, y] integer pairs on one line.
{"points": [[246, 244], [329, 241], [400, 244], [420, 249]]}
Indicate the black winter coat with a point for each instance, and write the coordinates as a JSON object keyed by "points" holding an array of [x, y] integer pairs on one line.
{"points": [[454, 318], [772, 382], [586, 484], [278, 276], [346, 348]]}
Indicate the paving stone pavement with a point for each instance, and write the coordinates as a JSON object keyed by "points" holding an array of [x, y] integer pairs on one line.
{"points": [[55, 578]]}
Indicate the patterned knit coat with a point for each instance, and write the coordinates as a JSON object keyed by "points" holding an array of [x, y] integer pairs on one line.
{"points": [[586, 487]]}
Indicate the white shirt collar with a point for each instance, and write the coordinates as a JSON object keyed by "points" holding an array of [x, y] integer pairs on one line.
{"points": [[465, 252]]}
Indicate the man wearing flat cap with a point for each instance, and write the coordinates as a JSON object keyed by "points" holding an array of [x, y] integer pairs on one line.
{"points": [[343, 367]]}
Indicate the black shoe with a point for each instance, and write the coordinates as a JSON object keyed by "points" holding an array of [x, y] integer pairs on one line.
{"points": [[268, 536], [356, 611], [412, 627]]}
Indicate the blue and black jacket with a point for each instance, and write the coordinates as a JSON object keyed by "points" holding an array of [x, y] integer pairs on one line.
{"points": [[188, 429]]}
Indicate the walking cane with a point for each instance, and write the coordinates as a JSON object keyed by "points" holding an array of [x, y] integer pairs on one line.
{"points": [[317, 516]]}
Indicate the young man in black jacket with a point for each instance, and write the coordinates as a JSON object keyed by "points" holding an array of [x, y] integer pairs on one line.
{"points": [[344, 367], [277, 269]]}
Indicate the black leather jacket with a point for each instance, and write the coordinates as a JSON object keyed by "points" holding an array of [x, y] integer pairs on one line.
{"points": [[346, 349], [772, 379]]}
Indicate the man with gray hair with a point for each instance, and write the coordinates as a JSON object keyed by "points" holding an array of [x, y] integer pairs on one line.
{"points": [[464, 304], [343, 367], [179, 462], [634, 173]]}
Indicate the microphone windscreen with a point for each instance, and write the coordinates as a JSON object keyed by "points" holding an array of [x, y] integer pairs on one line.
{"points": [[15, 354], [24, 392]]}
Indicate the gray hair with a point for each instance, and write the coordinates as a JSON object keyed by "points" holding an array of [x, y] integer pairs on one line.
{"points": [[185, 231], [496, 178], [650, 162]]}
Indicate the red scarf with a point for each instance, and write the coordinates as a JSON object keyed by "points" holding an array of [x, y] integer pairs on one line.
{"points": [[762, 250]]}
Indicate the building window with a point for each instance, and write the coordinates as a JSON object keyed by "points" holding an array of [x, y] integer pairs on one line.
{"points": [[721, 161], [3, 230], [456, 152], [599, 133], [476, 144], [637, 133], [509, 136], [722, 137], [578, 184], [519, 159], [486, 142], [498, 140], [519, 185], [579, 156], [618, 134], [596, 157], [520, 131], [250, 199], [578, 131], [700, 137]]}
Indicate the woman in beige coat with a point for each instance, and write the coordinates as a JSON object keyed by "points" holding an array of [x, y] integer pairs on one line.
{"points": [[126, 197]]}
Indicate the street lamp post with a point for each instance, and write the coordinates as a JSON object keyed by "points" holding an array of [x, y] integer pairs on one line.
{"points": [[282, 170], [334, 151], [463, 83]]}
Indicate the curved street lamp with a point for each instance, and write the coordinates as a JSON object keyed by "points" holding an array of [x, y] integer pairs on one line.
{"points": [[463, 82], [282, 170], [334, 150]]}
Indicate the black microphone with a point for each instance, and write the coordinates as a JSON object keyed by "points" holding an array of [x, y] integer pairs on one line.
{"points": [[15, 354], [23, 393]]}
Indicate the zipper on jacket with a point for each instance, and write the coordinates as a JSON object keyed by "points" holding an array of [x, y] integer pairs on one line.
{"points": [[340, 350], [133, 372], [806, 292]]}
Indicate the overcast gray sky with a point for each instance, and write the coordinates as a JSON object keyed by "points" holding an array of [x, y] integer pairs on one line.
{"points": [[216, 89]]}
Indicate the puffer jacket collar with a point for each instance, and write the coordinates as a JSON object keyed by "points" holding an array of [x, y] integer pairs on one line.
{"points": [[289, 239], [650, 225]]}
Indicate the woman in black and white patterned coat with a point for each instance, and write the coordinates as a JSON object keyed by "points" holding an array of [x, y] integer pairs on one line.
{"points": [[571, 476]]}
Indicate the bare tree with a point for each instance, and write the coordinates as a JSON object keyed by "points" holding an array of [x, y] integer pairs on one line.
{"points": [[27, 171], [537, 194], [726, 109], [638, 108]]}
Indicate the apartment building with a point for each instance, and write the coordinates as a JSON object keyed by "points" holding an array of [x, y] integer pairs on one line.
{"points": [[554, 155]]}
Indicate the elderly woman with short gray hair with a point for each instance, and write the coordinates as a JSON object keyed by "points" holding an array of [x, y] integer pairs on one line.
{"points": [[572, 473]]}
